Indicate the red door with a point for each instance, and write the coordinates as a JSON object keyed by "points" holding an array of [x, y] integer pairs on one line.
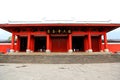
{"points": [[59, 44], [95, 44]]}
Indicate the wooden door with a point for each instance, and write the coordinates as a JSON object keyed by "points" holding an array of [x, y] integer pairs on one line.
{"points": [[59, 44], [95, 44]]}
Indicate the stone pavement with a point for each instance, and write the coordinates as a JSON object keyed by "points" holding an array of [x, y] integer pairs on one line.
{"points": [[97, 71]]}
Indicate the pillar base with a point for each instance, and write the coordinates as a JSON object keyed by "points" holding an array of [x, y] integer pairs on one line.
{"points": [[28, 51], [106, 50], [89, 50], [31, 51], [101, 51], [48, 51], [17, 51], [11, 50], [70, 51]]}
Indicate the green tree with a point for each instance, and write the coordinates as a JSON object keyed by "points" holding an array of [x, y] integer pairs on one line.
{"points": [[9, 38]]}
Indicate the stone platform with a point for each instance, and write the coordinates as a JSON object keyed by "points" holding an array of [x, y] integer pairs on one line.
{"points": [[60, 58]]}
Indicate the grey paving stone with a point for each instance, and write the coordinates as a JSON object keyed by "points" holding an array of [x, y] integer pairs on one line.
{"points": [[97, 71]]}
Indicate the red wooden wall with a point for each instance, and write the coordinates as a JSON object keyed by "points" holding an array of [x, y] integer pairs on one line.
{"points": [[4, 47], [114, 47]]}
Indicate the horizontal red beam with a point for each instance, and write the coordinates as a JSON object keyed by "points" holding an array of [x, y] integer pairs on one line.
{"points": [[86, 33], [32, 33]]}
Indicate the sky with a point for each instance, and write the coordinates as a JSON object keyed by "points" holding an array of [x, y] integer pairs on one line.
{"points": [[60, 11]]}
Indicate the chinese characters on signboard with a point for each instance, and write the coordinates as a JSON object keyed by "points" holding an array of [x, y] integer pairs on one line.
{"points": [[59, 31]]}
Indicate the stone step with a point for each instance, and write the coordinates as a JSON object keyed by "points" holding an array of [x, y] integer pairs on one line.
{"points": [[60, 58]]}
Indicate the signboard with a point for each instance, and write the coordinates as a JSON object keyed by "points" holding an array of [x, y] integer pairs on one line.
{"points": [[59, 31]]}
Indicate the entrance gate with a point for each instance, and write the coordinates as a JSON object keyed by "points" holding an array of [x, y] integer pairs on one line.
{"points": [[59, 44], [78, 43], [23, 44], [40, 44]]}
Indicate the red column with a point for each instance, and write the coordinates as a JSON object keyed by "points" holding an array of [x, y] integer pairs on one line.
{"points": [[12, 42], [105, 43], [70, 43], [48, 43], [32, 43], [28, 43], [89, 43], [100, 43], [18, 43], [86, 43]]}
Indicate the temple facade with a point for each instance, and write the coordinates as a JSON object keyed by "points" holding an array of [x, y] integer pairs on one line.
{"points": [[59, 37]]}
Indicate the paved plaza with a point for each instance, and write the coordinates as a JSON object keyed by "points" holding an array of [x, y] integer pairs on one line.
{"points": [[99, 71]]}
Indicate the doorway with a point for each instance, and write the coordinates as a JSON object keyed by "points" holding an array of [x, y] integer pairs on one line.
{"points": [[40, 44], [78, 43], [23, 44]]}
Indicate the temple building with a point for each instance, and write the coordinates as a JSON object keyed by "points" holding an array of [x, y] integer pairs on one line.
{"points": [[59, 37]]}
